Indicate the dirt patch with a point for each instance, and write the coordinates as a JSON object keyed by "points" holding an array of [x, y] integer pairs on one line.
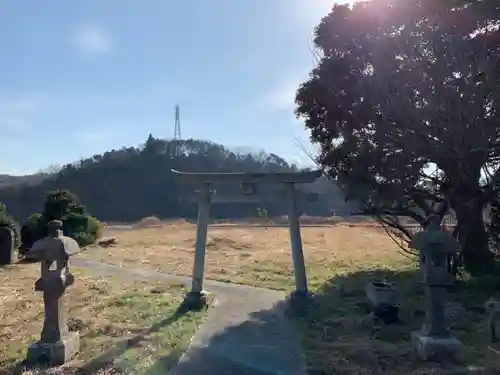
{"points": [[252, 255], [149, 222]]}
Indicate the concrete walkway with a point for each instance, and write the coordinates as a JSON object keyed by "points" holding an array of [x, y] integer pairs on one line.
{"points": [[246, 333]]}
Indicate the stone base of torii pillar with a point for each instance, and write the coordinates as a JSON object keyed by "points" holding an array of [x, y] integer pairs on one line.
{"points": [[197, 298]]}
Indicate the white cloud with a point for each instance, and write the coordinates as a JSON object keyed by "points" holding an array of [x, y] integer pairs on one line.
{"points": [[93, 40]]}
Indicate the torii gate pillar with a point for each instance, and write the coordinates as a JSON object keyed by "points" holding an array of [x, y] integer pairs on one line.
{"points": [[299, 268], [204, 199], [196, 298]]}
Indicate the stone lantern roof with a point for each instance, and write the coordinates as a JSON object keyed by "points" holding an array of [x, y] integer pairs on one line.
{"points": [[55, 244]]}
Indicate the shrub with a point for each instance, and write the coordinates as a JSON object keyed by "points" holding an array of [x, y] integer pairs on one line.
{"points": [[31, 231], [83, 239], [77, 222], [95, 228], [262, 212]]}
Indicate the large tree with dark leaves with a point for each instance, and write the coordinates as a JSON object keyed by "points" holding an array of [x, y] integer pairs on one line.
{"points": [[402, 87]]}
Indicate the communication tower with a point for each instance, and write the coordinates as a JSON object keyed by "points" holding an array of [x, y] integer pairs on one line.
{"points": [[177, 132]]}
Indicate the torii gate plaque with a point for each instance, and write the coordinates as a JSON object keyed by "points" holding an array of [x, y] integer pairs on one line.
{"points": [[196, 297]]}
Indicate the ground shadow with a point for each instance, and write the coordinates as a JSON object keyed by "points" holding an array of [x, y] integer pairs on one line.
{"points": [[264, 344], [339, 335], [105, 362]]}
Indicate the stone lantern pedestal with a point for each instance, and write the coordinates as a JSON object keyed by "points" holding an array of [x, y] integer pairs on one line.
{"points": [[57, 344], [431, 348]]}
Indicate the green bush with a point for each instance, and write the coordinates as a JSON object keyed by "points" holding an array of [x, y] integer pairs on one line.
{"points": [[34, 219], [262, 212], [31, 231], [77, 222], [83, 239], [95, 227], [74, 223]]}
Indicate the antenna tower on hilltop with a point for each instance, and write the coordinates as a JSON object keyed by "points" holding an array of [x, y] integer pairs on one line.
{"points": [[177, 131]]}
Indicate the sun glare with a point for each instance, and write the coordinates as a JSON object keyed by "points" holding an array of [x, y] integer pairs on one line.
{"points": [[328, 4]]}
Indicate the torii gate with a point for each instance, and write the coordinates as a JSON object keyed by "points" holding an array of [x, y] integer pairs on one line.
{"points": [[196, 296]]}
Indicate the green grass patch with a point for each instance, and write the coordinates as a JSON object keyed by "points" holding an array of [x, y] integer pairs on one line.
{"points": [[125, 327], [145, 334]]}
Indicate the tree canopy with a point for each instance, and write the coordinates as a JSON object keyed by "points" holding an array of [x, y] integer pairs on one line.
{"points": [[405, 105]]}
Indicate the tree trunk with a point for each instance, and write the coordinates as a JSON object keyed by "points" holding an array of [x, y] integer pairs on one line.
{"points": [[472, 235]]}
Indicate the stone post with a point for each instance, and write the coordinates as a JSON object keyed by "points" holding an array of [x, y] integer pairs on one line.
{"points": [[57, 344], [196, 298], [434, 341], [299, 268], [6, 245]]}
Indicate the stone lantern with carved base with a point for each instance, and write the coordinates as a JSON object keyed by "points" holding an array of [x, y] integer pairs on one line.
{"points": [[57, 344], [434, 341]]}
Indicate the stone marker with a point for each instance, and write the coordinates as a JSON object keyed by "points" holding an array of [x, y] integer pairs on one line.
{"points": [[57, 344], [382, 301], [434, 341], [6, 245]]}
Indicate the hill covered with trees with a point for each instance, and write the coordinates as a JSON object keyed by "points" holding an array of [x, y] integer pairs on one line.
{"points": [[33, 179], [131, 183]]}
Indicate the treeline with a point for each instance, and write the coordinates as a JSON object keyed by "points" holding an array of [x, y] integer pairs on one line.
{"points": [[134, 182]]}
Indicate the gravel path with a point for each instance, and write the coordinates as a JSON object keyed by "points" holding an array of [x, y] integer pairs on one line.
{"points": [[245, 333]]}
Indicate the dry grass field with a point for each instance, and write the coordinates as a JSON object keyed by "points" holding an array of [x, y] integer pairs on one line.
{"points": [[338, 335], [124, 328], [252, 255]]}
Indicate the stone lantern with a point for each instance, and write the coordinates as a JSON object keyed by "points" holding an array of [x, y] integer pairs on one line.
{"points": [[434, 341], [57, 344]]}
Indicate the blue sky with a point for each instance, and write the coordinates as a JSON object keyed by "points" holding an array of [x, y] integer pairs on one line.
{"points": [[84, 76]]}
